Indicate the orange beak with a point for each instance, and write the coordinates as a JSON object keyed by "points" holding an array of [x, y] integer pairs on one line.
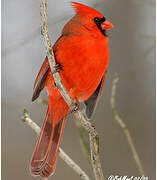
{"points": [[106, 25]]}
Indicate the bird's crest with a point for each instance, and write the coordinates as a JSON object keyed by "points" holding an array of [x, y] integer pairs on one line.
{"points": [[83, 9]]}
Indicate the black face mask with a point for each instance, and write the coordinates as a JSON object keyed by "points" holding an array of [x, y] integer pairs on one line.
{"points": [[98, 22]]}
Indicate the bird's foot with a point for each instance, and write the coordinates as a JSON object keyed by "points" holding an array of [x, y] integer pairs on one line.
{"points": [[57, 68], [75, 106]]}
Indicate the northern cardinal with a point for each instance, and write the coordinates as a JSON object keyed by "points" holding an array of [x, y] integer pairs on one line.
{"points": [[82, 54]]}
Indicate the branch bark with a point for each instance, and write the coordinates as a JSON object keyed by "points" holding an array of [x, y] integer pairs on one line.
{"points": [[123, 126], [93, 135], [62, 154]]}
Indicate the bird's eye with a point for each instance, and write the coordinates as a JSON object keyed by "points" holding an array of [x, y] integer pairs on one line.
{"points": [[96, 20]]}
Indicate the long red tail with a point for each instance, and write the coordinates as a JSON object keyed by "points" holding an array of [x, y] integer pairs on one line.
{"points": [[43, 162]]}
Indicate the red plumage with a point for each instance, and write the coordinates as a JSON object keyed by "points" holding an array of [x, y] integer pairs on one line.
{"points": [[82, 52]]}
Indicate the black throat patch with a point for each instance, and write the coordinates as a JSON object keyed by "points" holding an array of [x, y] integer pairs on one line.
{"points": [[98, 22]]}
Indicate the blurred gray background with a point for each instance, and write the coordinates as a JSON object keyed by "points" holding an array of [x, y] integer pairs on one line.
{"points": [[132, 56]]}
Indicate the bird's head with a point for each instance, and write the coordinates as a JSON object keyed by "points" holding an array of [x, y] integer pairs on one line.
{"points": [[91, 18]]}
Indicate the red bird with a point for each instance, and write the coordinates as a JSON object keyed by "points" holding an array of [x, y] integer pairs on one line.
{"points": [[83, 56]]}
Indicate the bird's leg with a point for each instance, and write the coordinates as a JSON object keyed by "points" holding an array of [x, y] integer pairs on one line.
{"points": [[75, 106], [57, 68]]}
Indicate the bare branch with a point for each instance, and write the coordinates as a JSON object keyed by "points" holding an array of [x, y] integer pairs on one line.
{"points": [[123, 126], [26, 119], [62, 154], [93, 136]]}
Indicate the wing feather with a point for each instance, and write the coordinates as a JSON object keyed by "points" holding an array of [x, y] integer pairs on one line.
{"points": [[94, 98], [40, 79]]}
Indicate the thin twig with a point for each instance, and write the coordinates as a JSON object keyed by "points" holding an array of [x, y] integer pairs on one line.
{"points": [[123, 126], [93, 135], [62, 154]]}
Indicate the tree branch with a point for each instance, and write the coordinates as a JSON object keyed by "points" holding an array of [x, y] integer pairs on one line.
{"points": [[62, 154], [123, 126], [93, 136]]}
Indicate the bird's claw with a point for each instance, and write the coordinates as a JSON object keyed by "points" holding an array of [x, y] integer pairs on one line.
{"points": [[57, 68], [75, 106]]}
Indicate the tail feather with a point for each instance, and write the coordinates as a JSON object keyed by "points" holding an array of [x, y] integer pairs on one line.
{"points": [[43, 162], [50, 166], [42, 147]]}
